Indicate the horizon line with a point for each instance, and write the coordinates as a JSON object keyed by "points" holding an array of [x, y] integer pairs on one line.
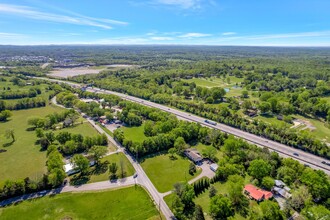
{"points": [[187, 45]]}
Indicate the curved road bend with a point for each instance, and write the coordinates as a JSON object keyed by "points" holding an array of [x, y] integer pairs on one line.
{"points": [[141, 178], [284, 150]]}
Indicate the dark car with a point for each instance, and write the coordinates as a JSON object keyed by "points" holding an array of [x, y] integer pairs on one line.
{"points": [[296, 154], [324, 162]]}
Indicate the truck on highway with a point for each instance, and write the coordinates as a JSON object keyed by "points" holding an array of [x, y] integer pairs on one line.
{"points": [[211, 122]]}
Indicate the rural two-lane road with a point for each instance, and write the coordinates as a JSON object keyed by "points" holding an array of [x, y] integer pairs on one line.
{"points": [[283, 150], [141, 179]]}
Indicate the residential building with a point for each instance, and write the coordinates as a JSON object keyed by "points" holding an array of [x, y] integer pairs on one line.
{"points": [[257, 194], [193, 155]]}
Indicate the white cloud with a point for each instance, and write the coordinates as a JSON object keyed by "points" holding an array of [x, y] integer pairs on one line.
{"points": [[31, 13], [162, 38], [185, 4], [11, 35], [228, 33], [194, 35]]}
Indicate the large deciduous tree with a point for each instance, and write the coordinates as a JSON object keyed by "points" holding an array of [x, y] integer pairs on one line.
{"points": [[259, 169]]}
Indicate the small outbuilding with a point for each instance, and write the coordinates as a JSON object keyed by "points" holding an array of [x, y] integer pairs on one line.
{"points": [[214, 167]]}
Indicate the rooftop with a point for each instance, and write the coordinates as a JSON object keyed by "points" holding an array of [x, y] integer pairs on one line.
{"points": [[256, 193], [193, 155]]}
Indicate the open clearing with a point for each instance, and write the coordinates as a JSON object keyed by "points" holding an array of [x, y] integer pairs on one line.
{"points": [[126, 203], [71, 72], [23, 158], [101, 172], [164, 172], [215, 82], [134, 133]]}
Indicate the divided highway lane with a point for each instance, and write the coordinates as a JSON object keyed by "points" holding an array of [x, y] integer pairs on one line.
{"points": [[284, 150]]}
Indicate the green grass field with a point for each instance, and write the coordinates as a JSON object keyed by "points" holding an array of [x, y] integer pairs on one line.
{"points": [[85, 129], [271, 120], [134, 133], [164, 172], [215, 82], [200, 147], [23, 158], [44, 93], [321, 132], [126, 203], [103, 174]]}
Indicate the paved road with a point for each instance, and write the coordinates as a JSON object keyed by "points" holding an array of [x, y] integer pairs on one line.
{"points": [[129, 181], [141, 179], [284, 150]]}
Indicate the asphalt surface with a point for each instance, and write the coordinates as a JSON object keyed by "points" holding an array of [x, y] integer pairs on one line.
{"points": [[303, 157], [141, 178]]}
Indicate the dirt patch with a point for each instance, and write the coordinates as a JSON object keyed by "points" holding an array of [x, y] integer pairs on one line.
{"points": [[71, 72], [303, 124]]}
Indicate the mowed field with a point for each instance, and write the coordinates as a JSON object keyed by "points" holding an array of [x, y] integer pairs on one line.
{"points": [[134, 133], [101, 172], [126, 203], [215, 82], [165, 172], [23, 158]]}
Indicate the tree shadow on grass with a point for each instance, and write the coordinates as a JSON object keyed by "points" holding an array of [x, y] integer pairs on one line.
{"points": [[30, 129], [79, 180], [8, 144], [100, 168]]}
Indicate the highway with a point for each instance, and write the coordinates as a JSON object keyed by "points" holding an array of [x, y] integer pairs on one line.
{"points": [[306, 158]]}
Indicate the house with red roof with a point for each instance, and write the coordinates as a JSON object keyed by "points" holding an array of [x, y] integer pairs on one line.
{"points": [[257, 194]]}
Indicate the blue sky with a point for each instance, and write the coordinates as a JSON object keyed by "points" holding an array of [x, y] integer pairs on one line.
{"points": [[205, 22]]}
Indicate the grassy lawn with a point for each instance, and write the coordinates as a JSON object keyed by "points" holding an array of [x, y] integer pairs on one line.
{"points": [[200, 147], [44, 93], [271, 119], [321, 132], [164, 172], [134, 133], [202, 82], [215, 82], [114, 158], [125, 203], [85, 129], [23, 158], [101, 172]]}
